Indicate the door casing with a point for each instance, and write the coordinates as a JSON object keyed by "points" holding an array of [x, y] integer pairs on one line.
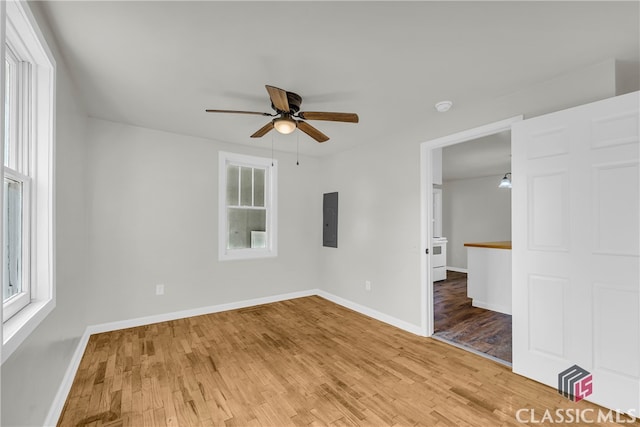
{"points": [[426, 207]]}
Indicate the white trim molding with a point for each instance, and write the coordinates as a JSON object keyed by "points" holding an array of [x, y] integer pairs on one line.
{"points": [[67, 381], [142, 321], [426, 207], [61, 396], [269, 206], [65, 387], [369, 312], [490, 306], [457, 269], [31, 46]]}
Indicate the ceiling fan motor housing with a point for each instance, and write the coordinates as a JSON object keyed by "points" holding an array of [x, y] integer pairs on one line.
{"points": [[294, 100]]}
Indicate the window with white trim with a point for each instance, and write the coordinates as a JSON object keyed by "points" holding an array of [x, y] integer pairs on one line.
{"points": [[247, 225], [28, 289], [16, 289]]}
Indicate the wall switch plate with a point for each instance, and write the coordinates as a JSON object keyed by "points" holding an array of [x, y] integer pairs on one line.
{"points": [[367, 285], [159, 289]]}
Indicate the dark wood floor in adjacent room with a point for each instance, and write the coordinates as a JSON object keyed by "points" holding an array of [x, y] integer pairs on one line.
{"points": [[302, 362], [456, 320]]}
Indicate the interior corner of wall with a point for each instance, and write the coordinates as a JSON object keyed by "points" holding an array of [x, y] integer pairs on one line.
{"points": [[627, 76]]}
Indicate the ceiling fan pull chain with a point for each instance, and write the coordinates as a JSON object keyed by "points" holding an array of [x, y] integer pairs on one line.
{"points": [[298, 149], [271, 150]]}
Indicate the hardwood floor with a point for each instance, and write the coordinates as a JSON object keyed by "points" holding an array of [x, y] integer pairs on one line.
{"points": [[456, 320], [302, 362]]}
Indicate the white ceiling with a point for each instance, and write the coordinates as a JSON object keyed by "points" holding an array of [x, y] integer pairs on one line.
{"points": [[161, 64], [486, 156]]}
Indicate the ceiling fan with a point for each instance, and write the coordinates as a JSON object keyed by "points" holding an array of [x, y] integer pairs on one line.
{"points": [[288, 116]]}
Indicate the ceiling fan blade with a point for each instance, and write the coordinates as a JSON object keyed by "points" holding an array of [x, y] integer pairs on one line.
{"points": [[263, 130], [278, 98], [312, 132], [332, 117], [239, 112]]}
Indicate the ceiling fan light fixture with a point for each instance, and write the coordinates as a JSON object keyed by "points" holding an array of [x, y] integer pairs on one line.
{"points": [[287, 108], [285, 125]]}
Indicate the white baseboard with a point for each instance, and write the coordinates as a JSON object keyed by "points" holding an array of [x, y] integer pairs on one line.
{"points": [[393, 321], [165, 317], [67, 381], [457, 270], [493, 307], [63, 391]]}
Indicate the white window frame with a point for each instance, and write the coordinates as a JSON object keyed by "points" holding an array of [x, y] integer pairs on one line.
{"points": [[271, 178], [19, 167], [37, 163], [19, 301]]}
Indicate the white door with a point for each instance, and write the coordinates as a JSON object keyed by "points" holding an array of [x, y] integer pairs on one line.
{"points": [[576, 285]]}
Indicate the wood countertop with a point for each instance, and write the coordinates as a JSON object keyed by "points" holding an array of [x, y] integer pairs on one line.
{"points": [[491, 245]]}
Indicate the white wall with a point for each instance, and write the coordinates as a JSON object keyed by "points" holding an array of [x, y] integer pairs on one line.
{"points": [[379, 201], [378, 210], [474, 210], [137, 207], [153, 219], [32, 374]]}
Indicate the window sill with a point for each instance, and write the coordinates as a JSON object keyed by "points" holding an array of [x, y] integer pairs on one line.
{"points": [[22, 324]]}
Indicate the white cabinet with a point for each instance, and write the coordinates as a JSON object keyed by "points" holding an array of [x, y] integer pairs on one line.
{"points": [[489, 275], [439, 259]]}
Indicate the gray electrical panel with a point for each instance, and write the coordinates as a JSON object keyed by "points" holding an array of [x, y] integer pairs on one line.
{"points": [[330, 220]]}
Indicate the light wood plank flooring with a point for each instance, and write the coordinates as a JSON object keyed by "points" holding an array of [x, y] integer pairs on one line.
{"points": [[456, 320], [303, 362]]}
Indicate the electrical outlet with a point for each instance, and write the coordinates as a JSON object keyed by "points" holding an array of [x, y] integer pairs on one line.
{"points": [[367, 285], [159, 289]]}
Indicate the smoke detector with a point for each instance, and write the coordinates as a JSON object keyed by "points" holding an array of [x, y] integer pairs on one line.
{"points": [[443, 106]]}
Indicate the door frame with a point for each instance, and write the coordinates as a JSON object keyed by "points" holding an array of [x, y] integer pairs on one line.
{"points": [[426, 207]]}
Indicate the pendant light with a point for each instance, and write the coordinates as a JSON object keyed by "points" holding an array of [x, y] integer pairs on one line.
{"points": [[506, 181]]}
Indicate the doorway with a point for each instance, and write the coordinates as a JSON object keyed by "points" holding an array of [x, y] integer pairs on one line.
{"points": [[448, 313]]}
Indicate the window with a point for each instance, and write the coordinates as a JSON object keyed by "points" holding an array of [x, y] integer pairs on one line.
{"points": [[16, 289], [28, 292], [247, 207]]}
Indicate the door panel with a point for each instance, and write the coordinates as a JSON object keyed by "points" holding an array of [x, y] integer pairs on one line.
{"points": [[576, 246], [615, 211], [546, 302], [548, 211]]}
